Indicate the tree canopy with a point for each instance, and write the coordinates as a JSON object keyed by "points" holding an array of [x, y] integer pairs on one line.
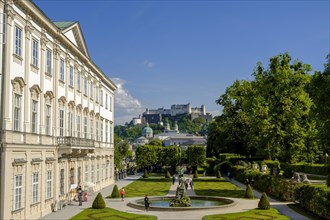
{"points": [[273, 116]]}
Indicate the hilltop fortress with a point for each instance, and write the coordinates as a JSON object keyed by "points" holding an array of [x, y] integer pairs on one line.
{"points": [[155, 116]]}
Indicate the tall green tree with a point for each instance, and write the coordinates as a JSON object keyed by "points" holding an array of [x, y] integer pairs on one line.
{"points": [[147, 156], [280, 109], [320, 92], [196, 156], [234, 121], [268, 116], [122, 152], [172, 156]]}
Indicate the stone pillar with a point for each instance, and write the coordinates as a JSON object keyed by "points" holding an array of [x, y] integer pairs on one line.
{"points": [[28, 28], [7, 114]]}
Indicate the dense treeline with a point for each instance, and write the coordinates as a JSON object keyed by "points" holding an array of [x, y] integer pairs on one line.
{"points": [[283, 113], [197, 126]]}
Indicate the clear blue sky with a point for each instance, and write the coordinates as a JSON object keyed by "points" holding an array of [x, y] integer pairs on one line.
{"points": [[174, 52]]}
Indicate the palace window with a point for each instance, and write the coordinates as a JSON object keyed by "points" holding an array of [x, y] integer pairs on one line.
{"points": [[107, 170], [85, 127], [78, 81], [97, 130], [92, 172], [86, 173], [35, 187], [62, 69], [106, 132], [97, 94], [106, 101], [71, 75], [48, 117], [79, 176], [17, 112], [92, 128], [18, 192], [110, 104], [62, 181], [18, 41], [98, 172], [85, 86], [101, 97], [49, 184], [110, 133], [70, 115], [61, 122], [49, 61], [91, 90], [101, 132], [78, 126], [34, 120], [35, 52]]}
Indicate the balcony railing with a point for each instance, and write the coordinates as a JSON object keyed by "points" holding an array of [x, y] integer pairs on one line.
{"points": [[76, 142]]}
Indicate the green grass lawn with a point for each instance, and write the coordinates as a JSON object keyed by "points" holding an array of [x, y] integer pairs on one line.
{"points": [[148, 186], [252, 214], [217, 187], [108, 213]]}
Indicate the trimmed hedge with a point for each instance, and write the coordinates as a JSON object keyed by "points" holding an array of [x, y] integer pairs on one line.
{"points": [[318, 169], [264, 202], [167, 174], [248, 192], [315, 199], [115, 192], [98, 202], [275, 186], [145, 174]]}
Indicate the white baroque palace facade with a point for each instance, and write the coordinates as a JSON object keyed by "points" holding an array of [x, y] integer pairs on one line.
{"points": [[57, 114]]}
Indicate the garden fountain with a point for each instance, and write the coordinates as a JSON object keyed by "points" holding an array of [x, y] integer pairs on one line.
{"points": [[182, 202]]}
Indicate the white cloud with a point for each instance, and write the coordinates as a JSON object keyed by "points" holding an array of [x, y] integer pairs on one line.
{"points": [[126, 107], [148, 63]]}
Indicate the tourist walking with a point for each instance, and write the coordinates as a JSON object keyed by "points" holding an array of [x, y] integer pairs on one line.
{"points": [[191, 184], [252, 182], [122, 193], [173, 179], [146, 203], [80, 193]]}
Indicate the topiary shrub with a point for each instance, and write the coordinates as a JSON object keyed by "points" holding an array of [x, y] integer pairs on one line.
{"points": [[263, 202], [218, 174], [98, 202], [167, 174], [115, 192], [145, 175], [328, 181], [195, 174], [248, 192]]}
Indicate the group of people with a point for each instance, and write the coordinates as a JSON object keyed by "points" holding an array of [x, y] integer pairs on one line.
{"points": [[188, 182]]}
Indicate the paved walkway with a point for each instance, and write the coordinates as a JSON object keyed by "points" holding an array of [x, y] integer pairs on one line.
{"points": [[242, 205]]}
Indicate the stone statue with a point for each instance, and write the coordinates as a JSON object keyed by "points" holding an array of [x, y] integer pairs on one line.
{"points": [[295, 178], [304, 179]]}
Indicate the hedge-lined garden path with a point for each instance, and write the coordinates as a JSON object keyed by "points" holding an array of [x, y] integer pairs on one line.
{"points": [[280, 206]]}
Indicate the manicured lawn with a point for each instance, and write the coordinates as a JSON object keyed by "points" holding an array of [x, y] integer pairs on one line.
{"points": [[252, 214], [217, 187], [149, 186], [108, 213]]}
